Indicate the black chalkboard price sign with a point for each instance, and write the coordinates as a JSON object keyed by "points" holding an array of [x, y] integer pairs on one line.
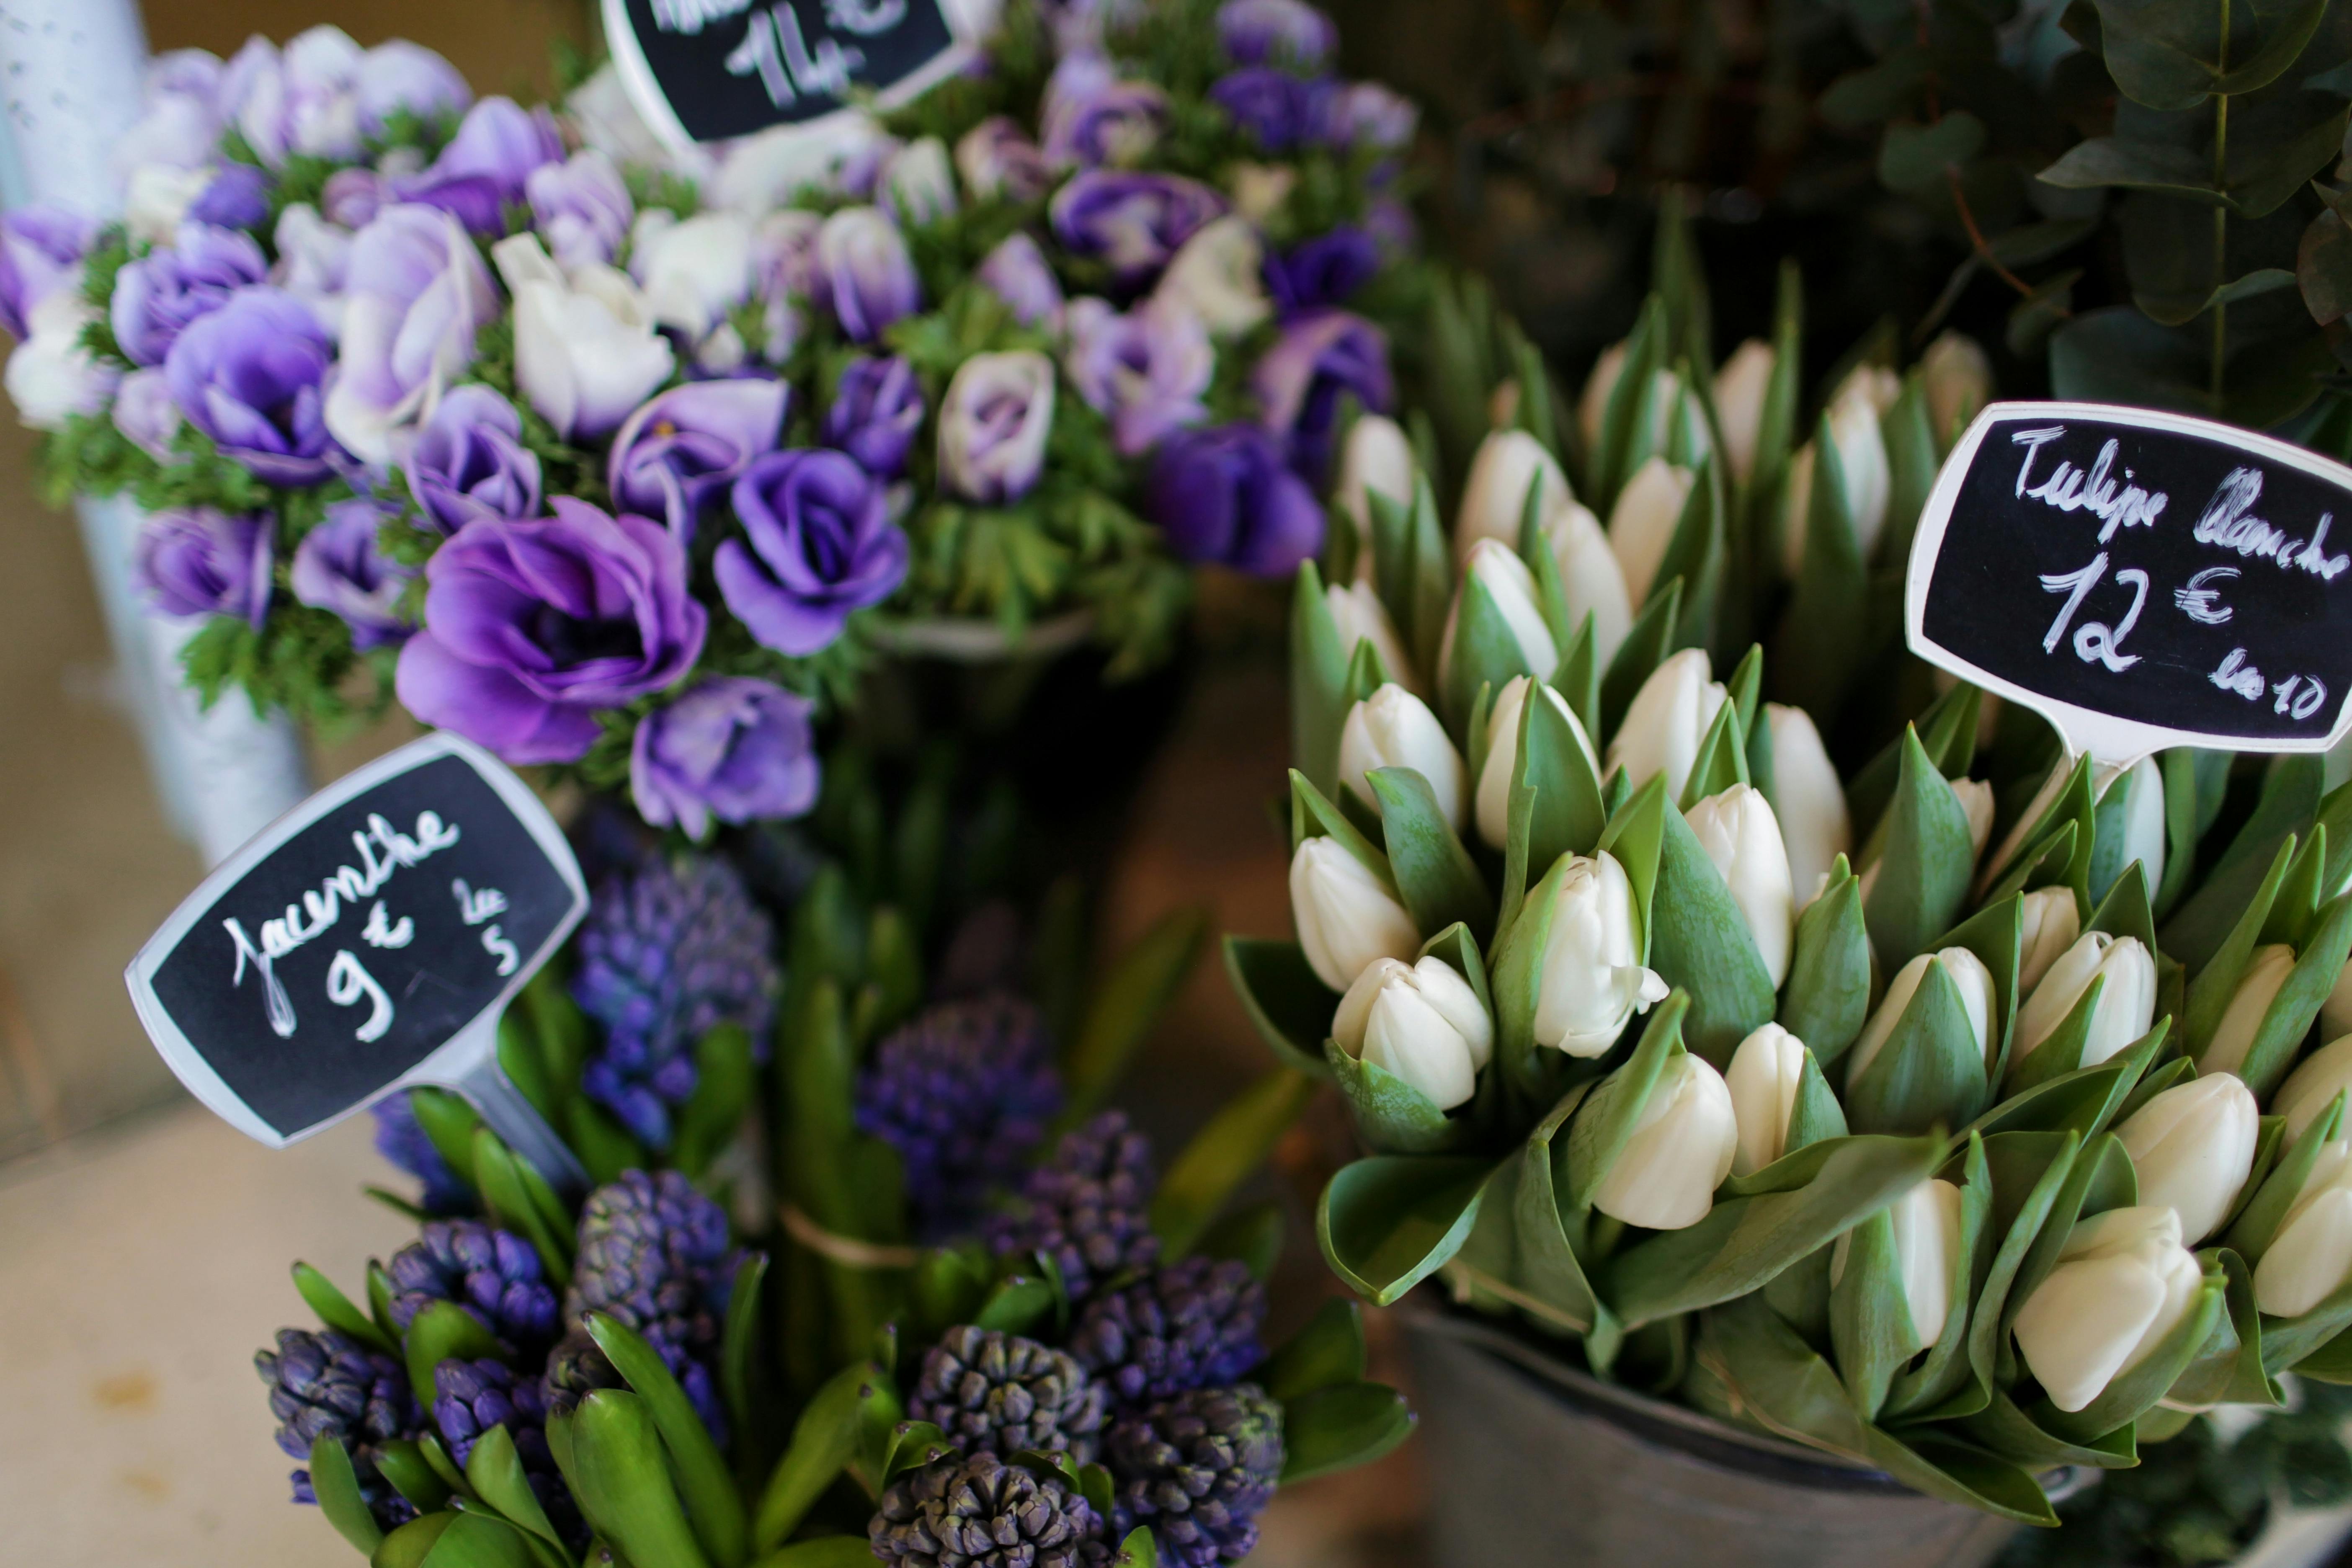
{"points": [[365, 941], [702, 70], [2143, 580]]}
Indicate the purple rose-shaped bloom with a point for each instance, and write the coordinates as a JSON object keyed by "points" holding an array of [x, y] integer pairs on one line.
{"points": [[200, 562], [238, 197], [249, 374], [1091, 117], [146, 415], [1226, 494], [681, 449], [996, 158], [397, 77], [995, 421], [158, 294], [580, 208], [415, 292], [1016, 271], [1323, 271], [1366, 114], [351, 197], [818, 543], [732, 748], [1147, 370], [1281, 110], [488, 164], [340, 566], [864, 274], [874, 415], [530, 627], [1132, 221], [1319, 357], [469, 462], [40, 250], [1256, 32]]}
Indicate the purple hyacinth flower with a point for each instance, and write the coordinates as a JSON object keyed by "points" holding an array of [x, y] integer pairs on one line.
{"points": [[1259, 32], [40, 251], [340, 566], [531, 627], [1017, 272], [733, 748], [818, 543], [1281, 110], [201, 562], [1147, 370], [1323, 271], [469, 462], [1320, 357], [680, 450], [1227, 495], [1092, 117], [238, 197], [1132, 221], [160, 294], [488, 164], [876, 414], [250, 375]]}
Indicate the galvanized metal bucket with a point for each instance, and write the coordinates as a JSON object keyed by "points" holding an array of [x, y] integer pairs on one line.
{"points": [[1533, 1461]]}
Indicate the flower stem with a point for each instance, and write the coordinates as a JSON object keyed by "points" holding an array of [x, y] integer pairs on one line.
{"points": [[2221, 214]]}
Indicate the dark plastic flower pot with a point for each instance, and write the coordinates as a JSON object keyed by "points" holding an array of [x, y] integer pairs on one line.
{"points": [[1531, 1460]]}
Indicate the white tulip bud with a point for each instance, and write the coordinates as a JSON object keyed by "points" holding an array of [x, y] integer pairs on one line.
{"points": [[2310, 1259], [2142, 821], [1968, 974], [1975, 799], [1495, 495], [1877, 383], [2336, 1012], [1503, 404], [1959, 382], [1667, 720], [1925, 1221], [1862, 460], [1394, 729], [1808, 799], [2126, 1004], [1361, 616], [1379, 459], [2266, 971], [1589, 578], [1740, 391], [2123, 1282], [2193, 1147], [1493, 807], [1641, 523], [1346, 919], [1592, 980], [1680, 1150], [1498, 568], [2052, 922], [1740, 835], [1421, 1022], [2314, 1085], [1766, 1072], [1593, 405]]}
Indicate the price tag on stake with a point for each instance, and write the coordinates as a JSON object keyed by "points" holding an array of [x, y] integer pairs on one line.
{"points": [[705, 70], [368, 942], [2142, 580]]}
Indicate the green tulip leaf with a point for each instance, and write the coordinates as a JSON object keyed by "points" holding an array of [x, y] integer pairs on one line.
{"points": [[1722, 759], [1812, 656], [1251, 1236], [2030, 1172], [1390, 1116], [1696, 553], [1565, 816], [1930, 1073], [2258, 1224], [2009, 1431], [1914, 454], [2212, 987], [2287, 806], [2289, 1017], [1947, 730], [1816, 1115], [1655, 632], [1871, 1332], [1341, 1426], [2086, 1101], [1926, 865], [1606, 1116], [337, 1488], [1312, 815], [1943, 1382], [2287, 1342], [1224, 1154], [1440, 882], [1578, 679], [1485, 652], [1389, 1222], [1327, 1351], [2193, 780], [1827, 998], [1699, 941], [1283, 997], [1547, 1266], [2061, 1051], [1629, 414]]}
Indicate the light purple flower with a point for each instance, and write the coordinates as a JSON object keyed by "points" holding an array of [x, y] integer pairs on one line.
{"points": [[467, 461], [1323, 271], [993, 424], [398, 77], [1282, 112], [40, 250], [1016, 271], [1092, 117], [783, 273], [1366, 114], [1134, 221], [1257, 32], [864, 274], [249, 375], [580, 208], [340, 567], [194, 73], [238, 197], [733, 748], [1147, 370], [680, 451], [1225, 494], [997, 158], [874, 415], [300, 101], [488, 164], [531, 627], [818, 545], [200, 562], [146, 415], [314, 263], [416, 293], [351, 197], [917, 185], [1320, 357], [1390, 223], [156, 296]]}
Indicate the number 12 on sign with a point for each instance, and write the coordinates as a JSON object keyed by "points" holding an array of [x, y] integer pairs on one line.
{"points": [[2094, 643]]}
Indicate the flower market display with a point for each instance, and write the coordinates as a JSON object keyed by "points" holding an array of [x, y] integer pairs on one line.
{"points": [[626, 465], [1956, 1108]]}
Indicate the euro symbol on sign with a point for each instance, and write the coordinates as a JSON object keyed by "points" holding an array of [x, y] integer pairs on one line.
{"points": [[2201, 602]]}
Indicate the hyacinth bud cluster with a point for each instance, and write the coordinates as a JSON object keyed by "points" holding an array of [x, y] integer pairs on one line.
{"points": [[999, 1393], [472, 1397], [967, 1513], [1198, 1468], [328, 1385], [670, 953], [963, 1092], [495, 1275], [1086, 1207], [654, 1255], [1189, 1325]]}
